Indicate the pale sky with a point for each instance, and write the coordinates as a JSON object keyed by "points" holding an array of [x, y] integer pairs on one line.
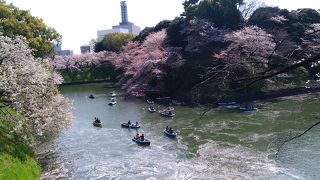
{"points": [[78, 21]]}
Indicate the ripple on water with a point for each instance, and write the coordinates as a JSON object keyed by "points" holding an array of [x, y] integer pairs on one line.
{"points": [[235, 162], [219, 142]]}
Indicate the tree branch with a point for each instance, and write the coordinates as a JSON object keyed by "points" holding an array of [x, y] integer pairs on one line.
{"points": [[284, 70], [297, 136]]}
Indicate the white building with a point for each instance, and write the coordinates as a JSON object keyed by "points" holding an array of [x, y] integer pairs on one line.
{"points": [[133, 29], [124, 26], [102, 33]]}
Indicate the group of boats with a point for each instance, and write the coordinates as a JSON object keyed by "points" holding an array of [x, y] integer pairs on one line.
{"points": [[168, 112], [139, 139], [112, 99]]}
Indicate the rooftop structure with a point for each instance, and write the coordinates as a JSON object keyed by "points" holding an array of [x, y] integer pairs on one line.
{"points": [[124, 26], [124, 12]]}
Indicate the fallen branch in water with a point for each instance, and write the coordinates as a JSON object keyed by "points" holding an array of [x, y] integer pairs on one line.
{"points": [[209, 108], [298, 135]]}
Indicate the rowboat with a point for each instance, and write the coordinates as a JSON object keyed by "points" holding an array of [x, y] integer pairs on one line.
{"points": [[171, 134], [151, 109], [145, 142], [133, 126], [167, 113], [97, 124]]}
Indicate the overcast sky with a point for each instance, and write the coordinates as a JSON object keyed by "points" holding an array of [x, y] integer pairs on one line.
{"points": [[78, 21]]}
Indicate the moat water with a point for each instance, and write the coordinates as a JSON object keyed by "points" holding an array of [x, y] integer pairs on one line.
{"points": [[223, 144]]}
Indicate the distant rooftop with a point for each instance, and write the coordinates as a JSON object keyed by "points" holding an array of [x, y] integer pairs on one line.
{"points": [[124, 26]]}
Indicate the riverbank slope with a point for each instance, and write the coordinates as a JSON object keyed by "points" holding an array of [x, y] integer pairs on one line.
{"points": [[16, 157]]}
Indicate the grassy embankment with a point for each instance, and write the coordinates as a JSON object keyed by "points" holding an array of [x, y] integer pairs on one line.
{"points": [[16, 157]]}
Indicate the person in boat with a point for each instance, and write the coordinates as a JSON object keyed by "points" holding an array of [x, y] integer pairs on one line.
{"points": [[142, 137], [151, 108], [137, 124], [170, 130], [167, 128], [170, 113], [137, 136], [96, 120], [129, 122]]}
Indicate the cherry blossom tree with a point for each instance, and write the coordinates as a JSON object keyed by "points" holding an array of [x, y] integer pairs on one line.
{"points": [[254, 56], [145, 64], [78, 62], [247, 54], [311, 44], [29, 86]]}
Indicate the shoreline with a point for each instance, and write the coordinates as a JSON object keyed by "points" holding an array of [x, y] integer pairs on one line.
{"points": [[273, 94], [105, 82], [260, 95]]}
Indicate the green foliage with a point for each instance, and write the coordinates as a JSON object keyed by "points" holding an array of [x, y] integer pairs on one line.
{"points": [[300, 19], [161, 25], [16, 160], [299, 76], [175, 38], [294, 79], [14, 22], [113, 42], [143, 34], [14, 168], [262, 17], [98, 46], [307, 16], [105, 72], [12, 141], [224, 13], [188, 75], [296, 23], [188, 3], [146, 31]]}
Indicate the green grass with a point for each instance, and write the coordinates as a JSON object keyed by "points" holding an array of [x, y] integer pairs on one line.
{"points": [[16, 156], [15, 168]]}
